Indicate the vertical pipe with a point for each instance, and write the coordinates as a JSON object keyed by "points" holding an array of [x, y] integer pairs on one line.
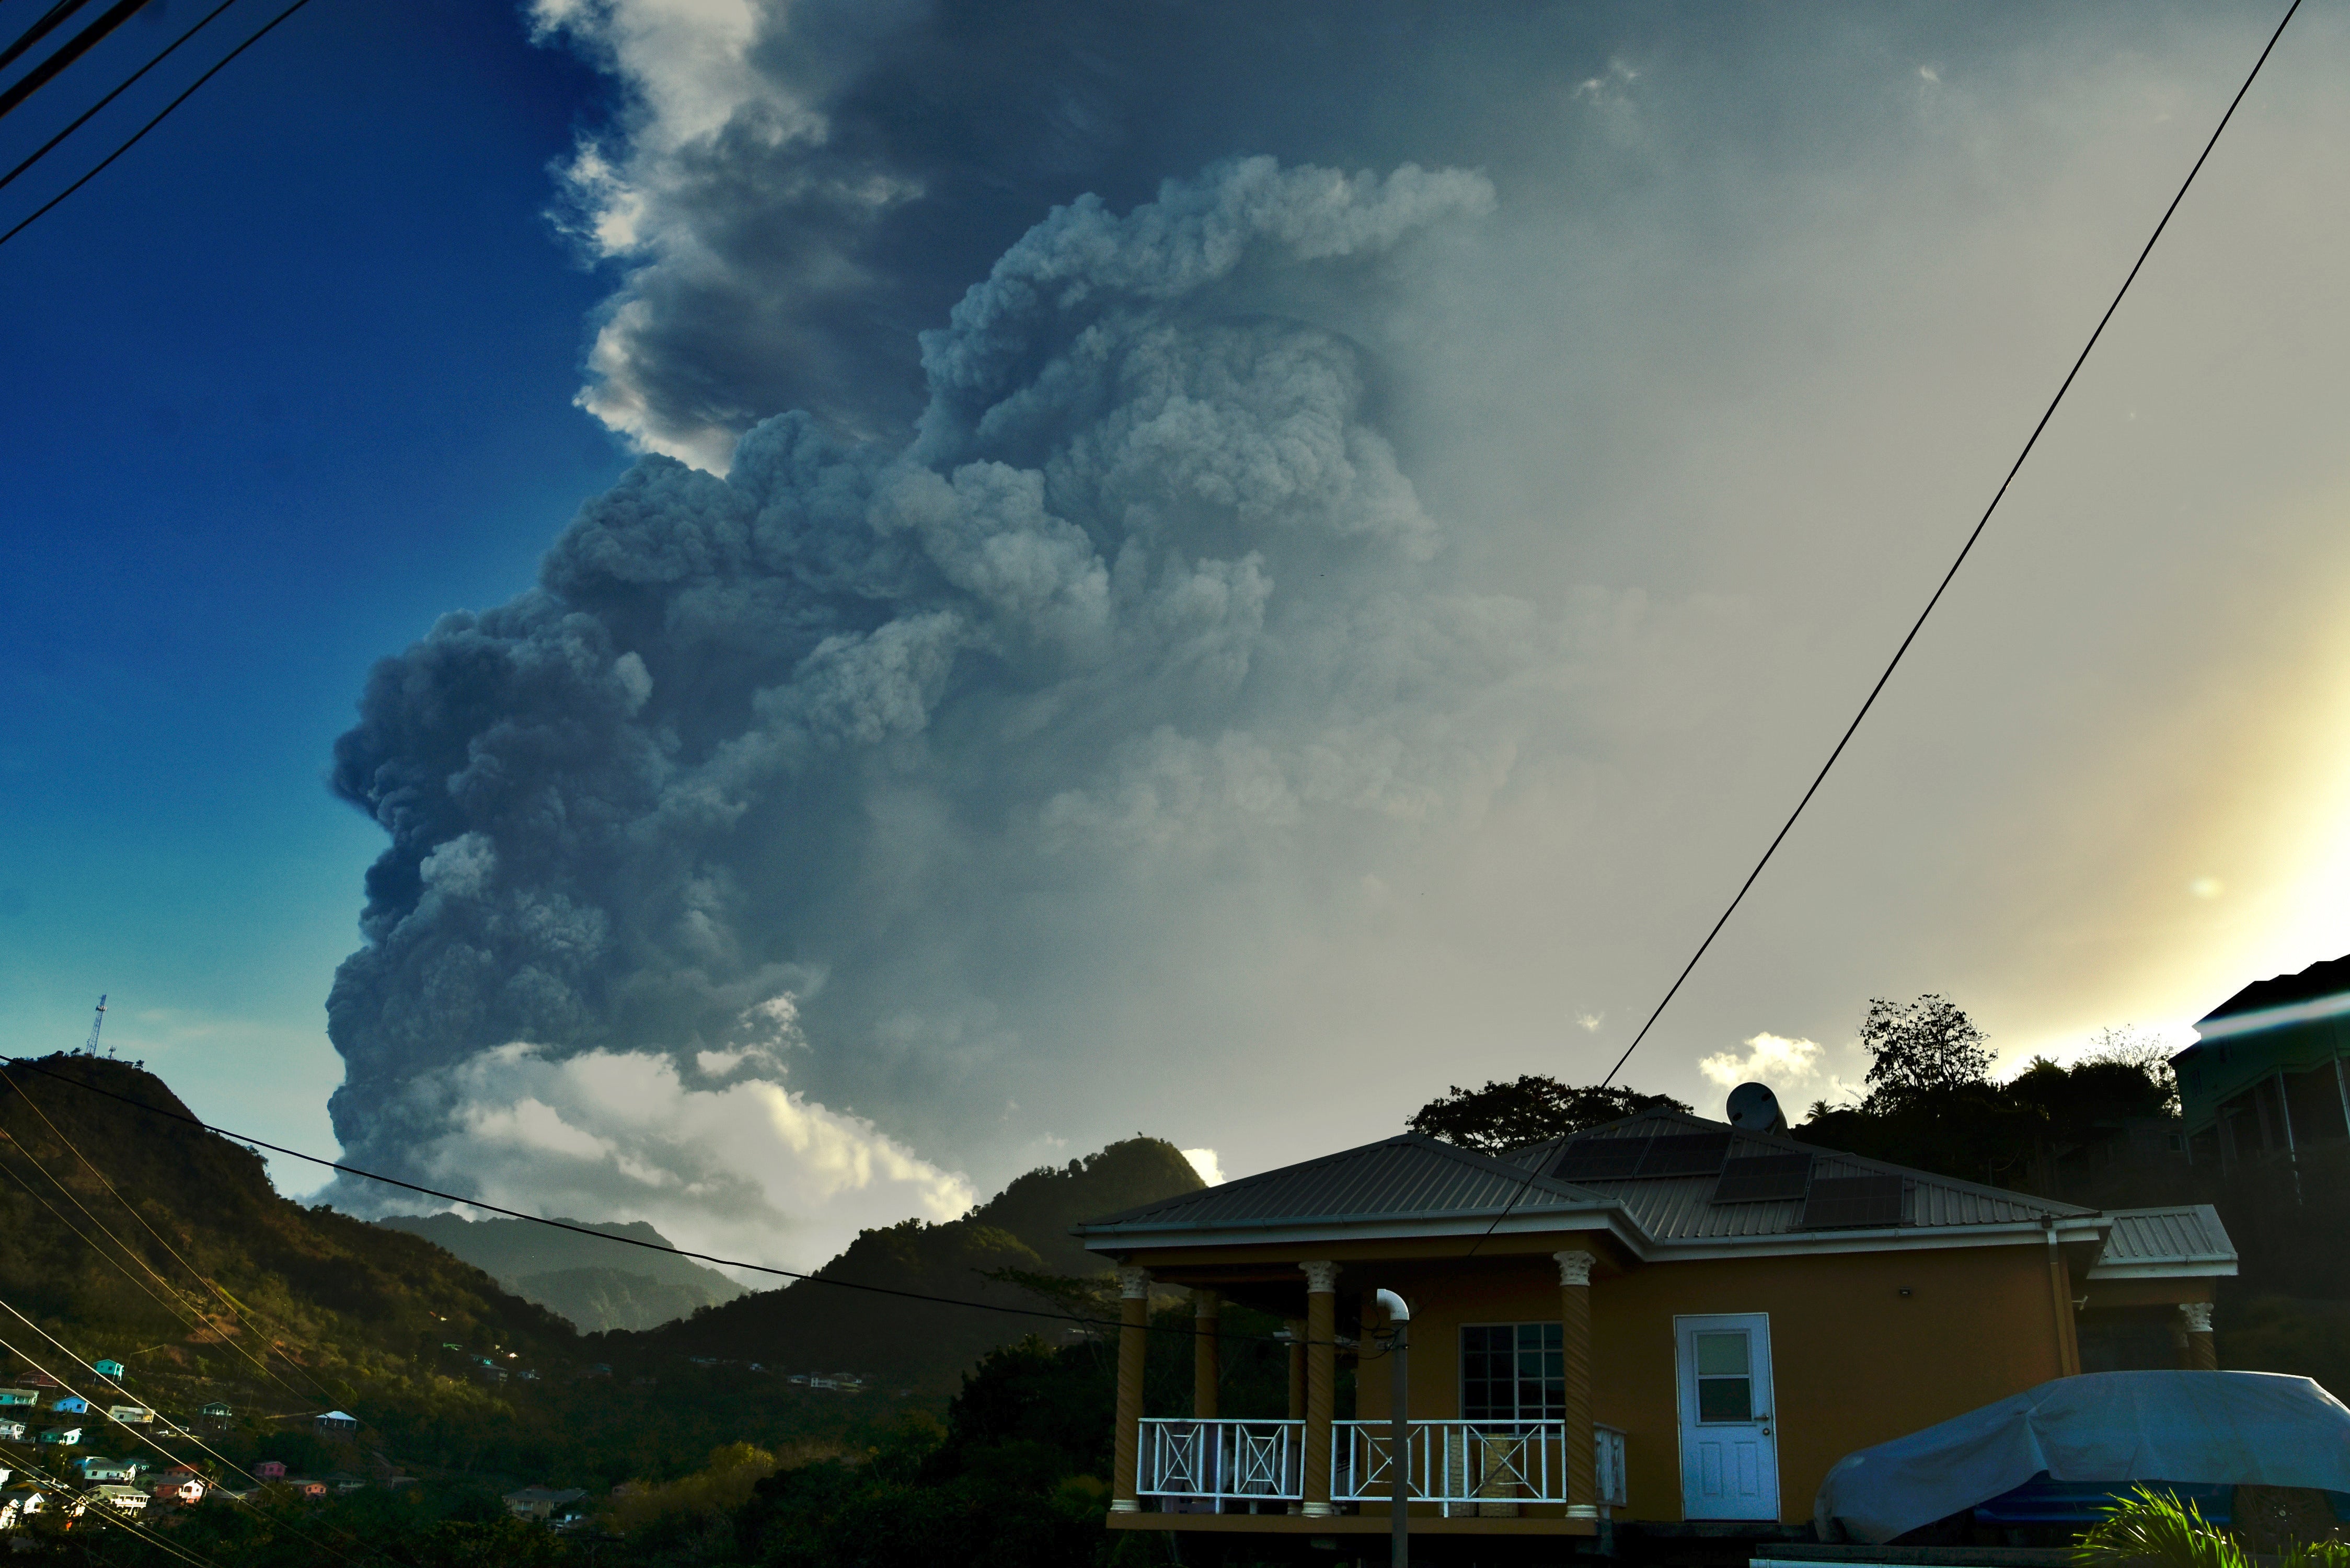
{"points": [[2341, 1089], [1321, 1382], [1582, 1478], [2068, 1354], [1133, 1337], [2284, 1116], [1399, 1429], [1207, 1355]]}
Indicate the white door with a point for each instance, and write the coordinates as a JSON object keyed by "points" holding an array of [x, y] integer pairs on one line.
{"points": [[1730, 1459]]}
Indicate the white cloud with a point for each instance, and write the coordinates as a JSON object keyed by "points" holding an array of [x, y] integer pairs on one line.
{"points": [[1772, 1059], [749, 1170], [1205, 1161]]}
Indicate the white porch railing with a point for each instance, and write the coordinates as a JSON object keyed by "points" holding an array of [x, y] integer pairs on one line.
{"points": [[1484, 1465], [1221, 1461]]}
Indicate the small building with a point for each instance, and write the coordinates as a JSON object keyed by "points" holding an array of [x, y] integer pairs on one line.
{"points": [[270, 1470], [11, 1431], [71, 1405], [181, 1493], [128, 1498], [2267, 1074], [105, 1368], [19, 1503], [308, 1488], [1664, 1320], [335, 1424], [98, 1467], [19, 1397], [62, 1438], [217, 1411], [541, 1502], [130, 1414]]}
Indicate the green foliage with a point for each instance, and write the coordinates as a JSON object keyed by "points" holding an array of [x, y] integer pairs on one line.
{"points": [[2155, 1529], [1023, 1233], [1526, 1110]]}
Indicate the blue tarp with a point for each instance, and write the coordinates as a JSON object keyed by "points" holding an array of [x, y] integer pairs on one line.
{"points": [[2191, 1428]]}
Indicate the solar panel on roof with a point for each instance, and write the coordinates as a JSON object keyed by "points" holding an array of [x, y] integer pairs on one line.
{"points": [[1600, 1158], [1763, 1178], [1686, 1154], [1850, 1202]]}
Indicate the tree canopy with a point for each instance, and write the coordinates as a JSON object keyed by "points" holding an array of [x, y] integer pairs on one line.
{"points": [[1527, 1109], [1927, 1046]]}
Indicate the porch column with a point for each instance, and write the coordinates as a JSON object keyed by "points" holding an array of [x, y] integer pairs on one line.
{"points": [[1321, 1381], [1133, 1339], [1207, 1361], [1575, 1344], [2203, 1355]]}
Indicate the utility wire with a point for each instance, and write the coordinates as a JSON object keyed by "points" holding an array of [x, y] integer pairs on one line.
{"points": [[138, 135], [32, 1066], [1964, 550], [119, 88], [1534, 1167], [237, 1315], [67, 53], [39, 30], [148, 1439]]}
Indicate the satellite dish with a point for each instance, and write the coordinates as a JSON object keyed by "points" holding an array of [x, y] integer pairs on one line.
{"points": [[1755, 1109]]}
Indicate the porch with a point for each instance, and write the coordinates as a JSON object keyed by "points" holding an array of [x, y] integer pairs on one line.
{"points": [[1453, 1469]]}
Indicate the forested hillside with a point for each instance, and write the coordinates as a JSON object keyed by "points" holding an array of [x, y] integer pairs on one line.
{"points": [[1023, 1230]]}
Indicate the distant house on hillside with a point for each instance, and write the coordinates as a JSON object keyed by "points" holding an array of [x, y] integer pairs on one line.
{"points": [[19, 1503], [105, 1368], [19, 1397], [541, 1502], [186, 1490], [2267, 1074], [1665, 1319], [11, 1431], [217, 1414], [62, 1436], [98, 1467], [71, 1405], [130, 1414], [335, 1424], [128, 1499], [269, 1471]]}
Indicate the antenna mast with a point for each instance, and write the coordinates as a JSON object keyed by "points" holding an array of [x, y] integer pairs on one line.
{"points": [[96, 1024]]}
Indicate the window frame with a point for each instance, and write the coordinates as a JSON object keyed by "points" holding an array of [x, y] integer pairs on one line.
{"points": [[1551, 1347]]}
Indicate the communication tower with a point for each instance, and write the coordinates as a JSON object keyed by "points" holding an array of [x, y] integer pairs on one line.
{"points": [[96, 1024]]}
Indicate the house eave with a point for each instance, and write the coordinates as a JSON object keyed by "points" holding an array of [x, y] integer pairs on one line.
{"points": [[2161, 1269]]}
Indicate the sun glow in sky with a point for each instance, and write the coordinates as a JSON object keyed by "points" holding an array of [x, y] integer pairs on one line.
{"points": [[1314, 558]]}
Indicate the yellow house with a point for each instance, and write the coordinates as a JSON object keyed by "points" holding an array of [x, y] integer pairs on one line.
{"points": [[1664, 1319]]}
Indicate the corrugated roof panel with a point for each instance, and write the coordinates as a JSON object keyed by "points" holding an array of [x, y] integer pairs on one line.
{"points": [[2188, 1234]]}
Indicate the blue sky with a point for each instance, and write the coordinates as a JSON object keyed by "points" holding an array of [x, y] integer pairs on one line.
{"points": [[1513, 438], [287, 381]]}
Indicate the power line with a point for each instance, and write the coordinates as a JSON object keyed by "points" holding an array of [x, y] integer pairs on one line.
{"points": [[30, 1064], [67, 53], [1964, 550], [119, 88], [39, 30], [140, 134]]}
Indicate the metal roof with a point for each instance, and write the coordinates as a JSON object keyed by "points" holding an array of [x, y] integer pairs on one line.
{"points": [[2187, 1240], [1408, 1177], [1413, 1178]]}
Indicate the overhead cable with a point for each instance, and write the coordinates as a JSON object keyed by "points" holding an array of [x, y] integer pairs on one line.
{"points": [[84, 118], [30, 1064], [1964, 550], [137, 136], [66, 54]]}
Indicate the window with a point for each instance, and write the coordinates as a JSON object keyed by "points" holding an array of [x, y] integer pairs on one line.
{"points": [[1726, 1377], [1512, 1372]]}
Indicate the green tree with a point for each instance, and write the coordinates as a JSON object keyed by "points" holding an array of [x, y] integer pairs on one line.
{"points": [[1919, 1050], [1527, 1110]]}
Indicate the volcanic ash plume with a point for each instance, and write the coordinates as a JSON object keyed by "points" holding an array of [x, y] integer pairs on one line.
{"points": [[842, 779]]}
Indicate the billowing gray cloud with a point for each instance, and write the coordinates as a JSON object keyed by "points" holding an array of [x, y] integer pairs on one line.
{"points": [[1231, 659], [754, 739]]}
